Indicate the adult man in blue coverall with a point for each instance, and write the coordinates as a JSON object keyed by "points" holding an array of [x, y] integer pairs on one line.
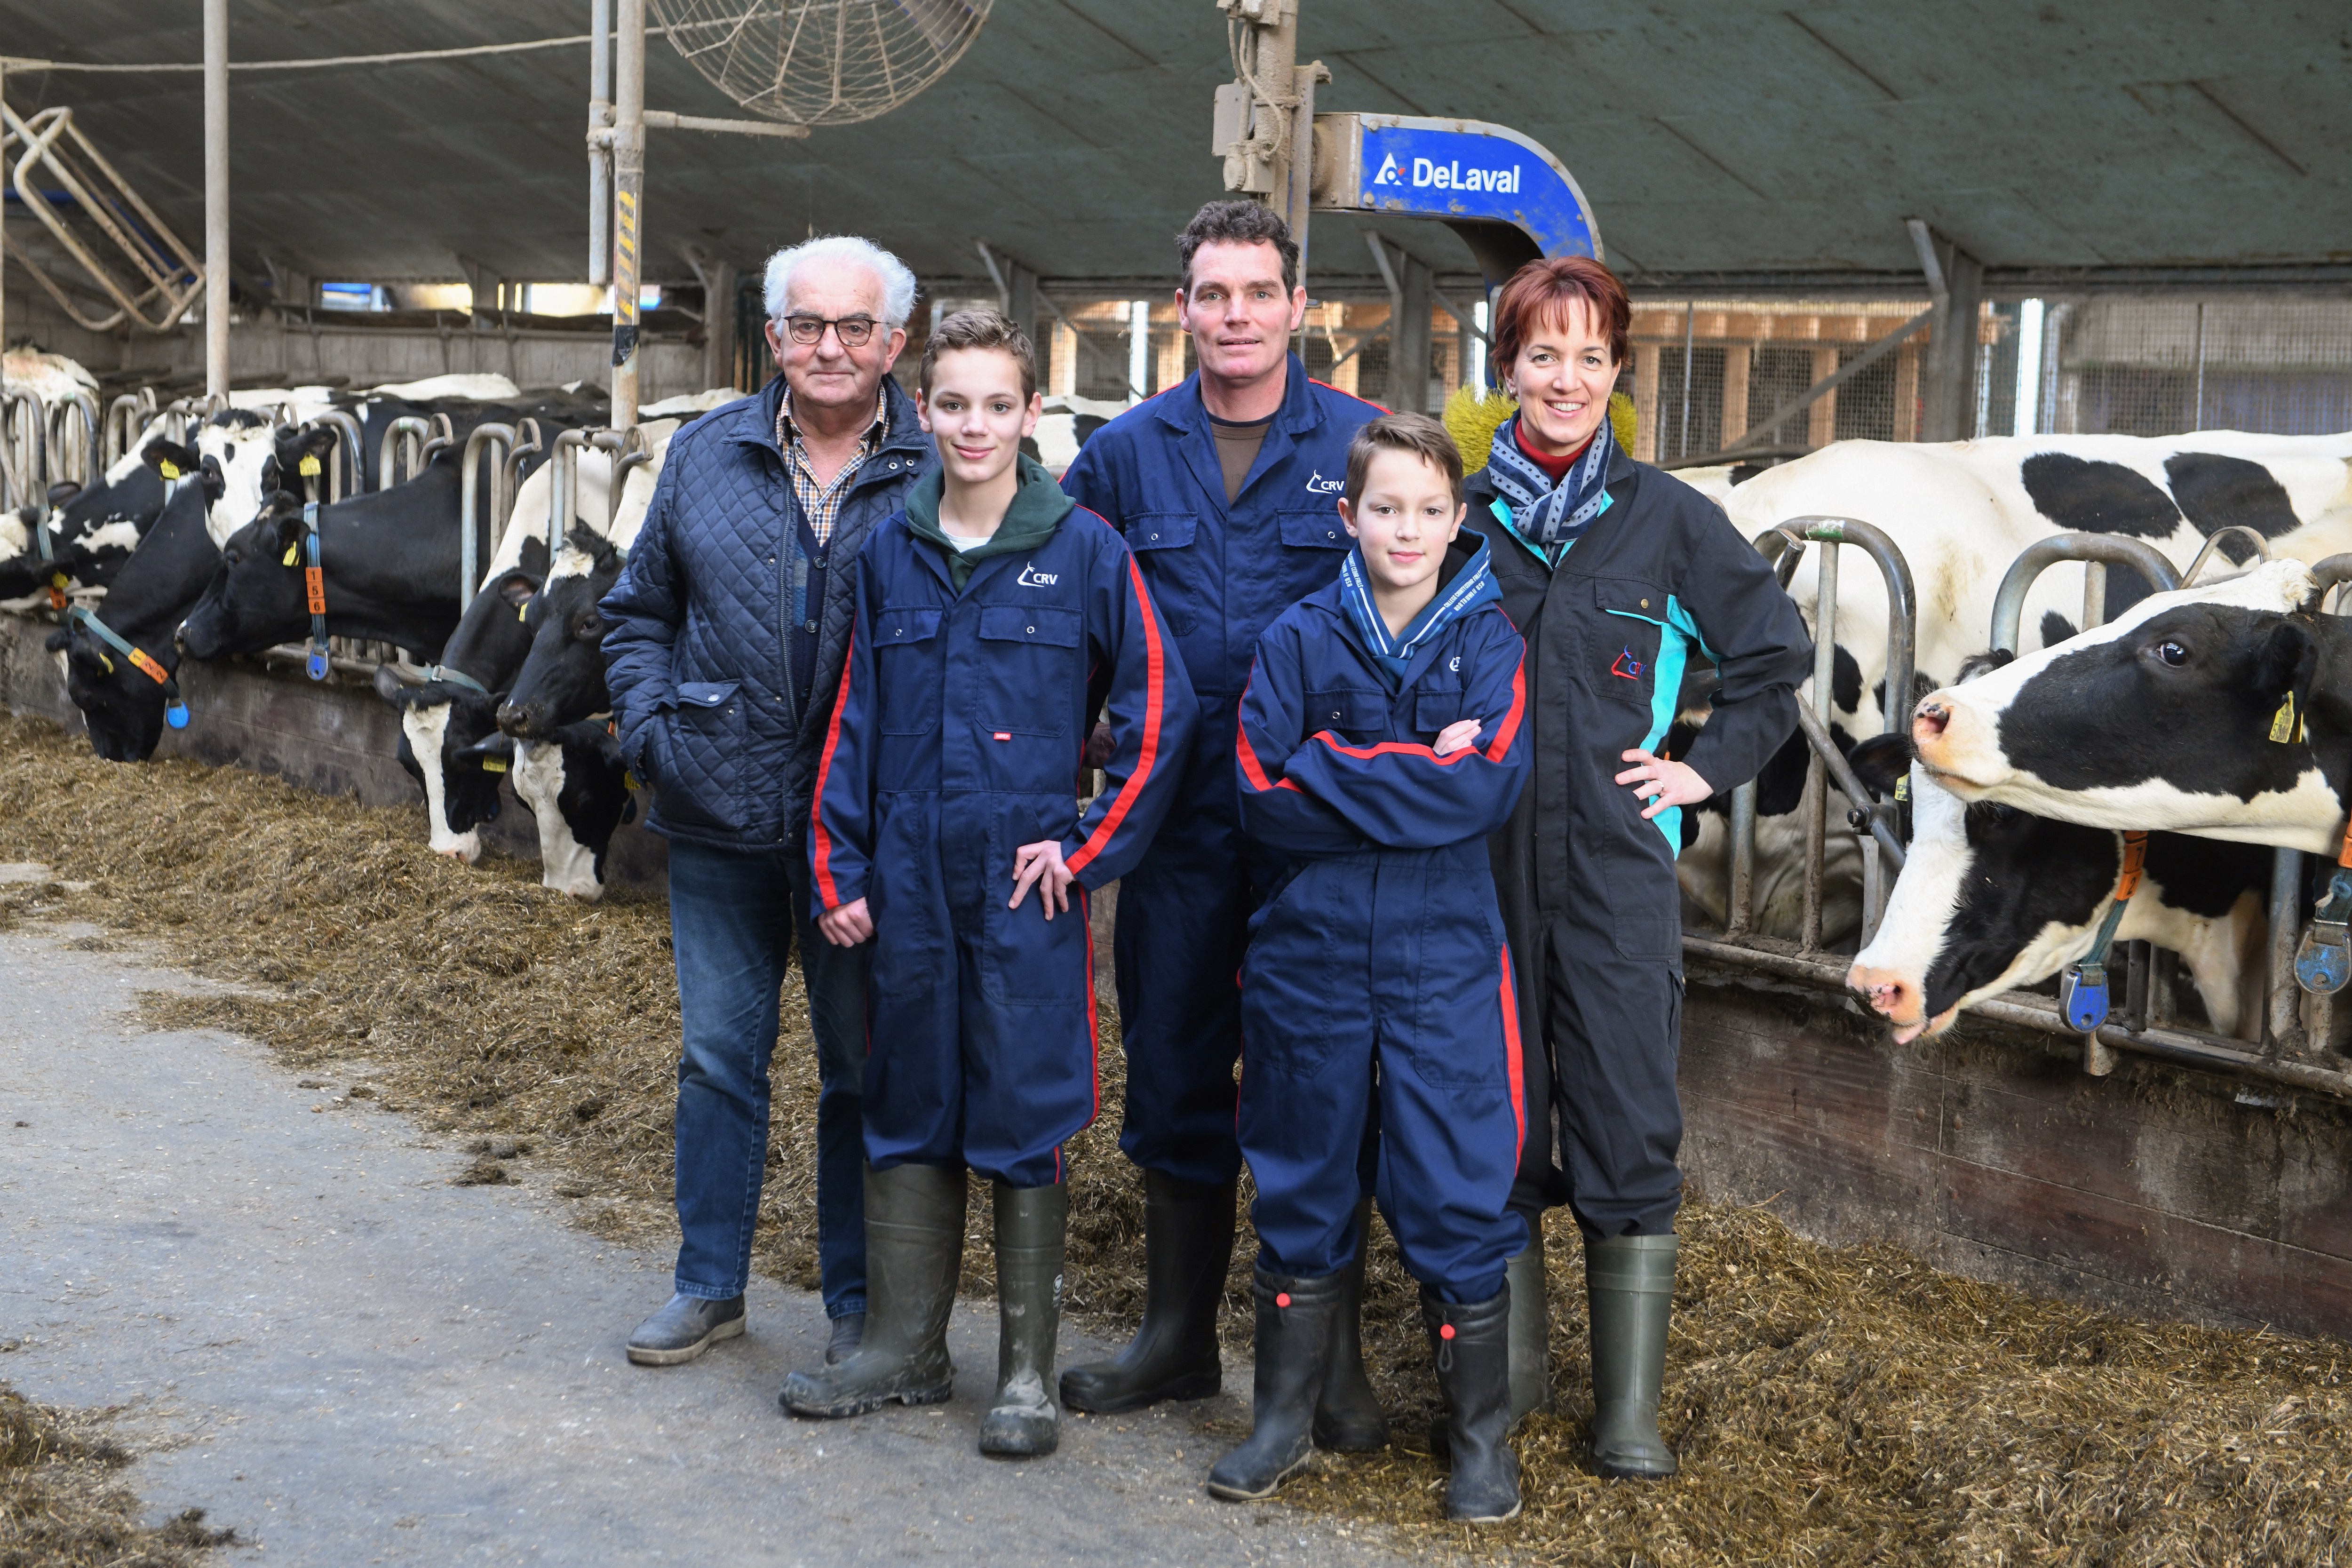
{"points": [[1226, 487]]}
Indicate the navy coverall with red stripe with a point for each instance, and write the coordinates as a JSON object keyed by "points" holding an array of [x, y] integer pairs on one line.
{"points": [[1376, 996], [958, 739]]}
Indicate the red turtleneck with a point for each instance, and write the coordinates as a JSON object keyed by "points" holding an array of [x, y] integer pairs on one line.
{"points": [[1556, 467]]}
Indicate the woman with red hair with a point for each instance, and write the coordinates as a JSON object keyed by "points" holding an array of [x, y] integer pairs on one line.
{"points": [[1615, 572]]}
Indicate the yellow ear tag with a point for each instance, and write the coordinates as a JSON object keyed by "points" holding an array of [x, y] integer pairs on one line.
{"points": [[59, 578], [522, 610], [1903, 787], [290, 555], [2285, 724], [309, 468], [106, 661], [494, 766]]}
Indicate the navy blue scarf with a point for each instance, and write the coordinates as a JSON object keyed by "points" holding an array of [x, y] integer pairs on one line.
{"points": [[1472, 586], [1545, 513]]}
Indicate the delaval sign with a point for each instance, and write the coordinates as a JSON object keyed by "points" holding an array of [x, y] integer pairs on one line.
{"points": [[1457, 170]]}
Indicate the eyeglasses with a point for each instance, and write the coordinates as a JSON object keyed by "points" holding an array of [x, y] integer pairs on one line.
{"points": [[854, 331]]}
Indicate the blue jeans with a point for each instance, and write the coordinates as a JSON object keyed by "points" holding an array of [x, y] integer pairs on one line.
{"points": [[734, 918]]}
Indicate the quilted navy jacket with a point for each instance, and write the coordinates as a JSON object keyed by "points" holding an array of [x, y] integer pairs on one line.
{"points": [[697, 656]]}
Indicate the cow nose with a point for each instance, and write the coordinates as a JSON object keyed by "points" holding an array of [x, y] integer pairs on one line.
{"points": [[1929, 721], [513, 721], [1892, 995], [180, 639]]}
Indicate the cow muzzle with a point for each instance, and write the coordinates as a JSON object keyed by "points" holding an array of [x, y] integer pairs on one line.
{"points": [[1959, 743], [517, 721]]}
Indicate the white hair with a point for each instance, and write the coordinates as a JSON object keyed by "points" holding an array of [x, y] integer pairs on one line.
{"points": [[897, 282]]}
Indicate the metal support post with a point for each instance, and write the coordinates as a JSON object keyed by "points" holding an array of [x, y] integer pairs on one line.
{"points": [[1948, 376], [216, 198], [1817, 781], [628, 219], [600, 156]]}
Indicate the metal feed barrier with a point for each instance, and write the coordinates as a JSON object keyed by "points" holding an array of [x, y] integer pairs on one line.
{"points": [[2293, 1051]]}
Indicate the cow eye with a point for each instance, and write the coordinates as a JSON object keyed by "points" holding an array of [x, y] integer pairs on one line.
{"points": [[2172, 653]]}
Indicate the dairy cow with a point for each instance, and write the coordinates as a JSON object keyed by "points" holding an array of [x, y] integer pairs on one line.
{"points": [[1961, 513], [2224, 712], [122, 702], [1991, 899]]}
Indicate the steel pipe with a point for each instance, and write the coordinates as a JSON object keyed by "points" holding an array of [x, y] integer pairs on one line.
{"points": [[2107, 550], [347, 466], [216, 263], [600, 157], [629, 196], [401, 430], [482, 437]]}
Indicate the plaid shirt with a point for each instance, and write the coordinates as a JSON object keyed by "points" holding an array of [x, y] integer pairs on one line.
{"points": [[821, 503]]}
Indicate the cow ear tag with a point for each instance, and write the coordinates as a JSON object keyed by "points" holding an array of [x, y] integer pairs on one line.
{"points": [[522, 610], [1903, 787], [309, 466], [2285, 724], [289, 556], [175, 714], [170, 470], [494, 764]]}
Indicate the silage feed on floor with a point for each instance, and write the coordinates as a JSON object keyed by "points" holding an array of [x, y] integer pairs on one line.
{"points": [[1831, 1405], [63, 1506]]}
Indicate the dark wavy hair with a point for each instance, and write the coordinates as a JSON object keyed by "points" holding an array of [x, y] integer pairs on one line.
{"points": [[1237, 223]]}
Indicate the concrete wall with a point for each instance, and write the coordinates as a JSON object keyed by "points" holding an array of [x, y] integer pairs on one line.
{"points": [[2162, 1191], [337, 737]]}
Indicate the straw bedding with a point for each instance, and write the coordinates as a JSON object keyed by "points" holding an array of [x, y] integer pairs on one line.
{"points": [[1831, 1405], [59, 1504]]}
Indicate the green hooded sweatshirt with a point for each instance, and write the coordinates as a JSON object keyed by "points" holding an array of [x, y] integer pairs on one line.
{"points": [[1037, 509]]}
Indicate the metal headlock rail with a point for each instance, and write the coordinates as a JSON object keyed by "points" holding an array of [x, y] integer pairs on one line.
{"points": [[127, 418], [73, 440], [347, 464], [2293, 1051], [479, 443], [24, 449], [403, 438]]}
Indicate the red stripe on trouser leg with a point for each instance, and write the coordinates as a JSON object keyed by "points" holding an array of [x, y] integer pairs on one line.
{"points": [[1514, 1056]]}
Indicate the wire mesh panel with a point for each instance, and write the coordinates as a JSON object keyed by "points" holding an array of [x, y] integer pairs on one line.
{"points": [[2153, 366], [1706, 373], [821, 64]]}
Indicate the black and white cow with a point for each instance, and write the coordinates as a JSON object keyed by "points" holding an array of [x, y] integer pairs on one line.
{"points": [[388, 559], [1991, 899], [441, 718], [562, 680], [2223, 710], [1961, 513], [122, 705], [576, 788]]}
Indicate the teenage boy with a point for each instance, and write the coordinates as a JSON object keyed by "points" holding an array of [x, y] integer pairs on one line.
{"points": [[995, 618], [1381, 741]]}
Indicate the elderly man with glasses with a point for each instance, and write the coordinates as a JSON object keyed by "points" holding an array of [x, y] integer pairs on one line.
{"points": [[730, 630]]}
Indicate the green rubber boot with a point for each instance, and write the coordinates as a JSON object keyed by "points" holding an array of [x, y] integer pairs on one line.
{"points": [[914, 1250], [1031, 1225], [1629, 1281], [1348, 1415], [1530, 1328]]}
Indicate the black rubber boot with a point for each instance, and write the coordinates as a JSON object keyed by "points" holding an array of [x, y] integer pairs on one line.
{"points": [[1294, 1341], [1629, 1281], [1348, 1415], [842, 1344], [1031, 1223], [1472, 1347], [914, 1250], [1530, 1328], [1188, 1244]]}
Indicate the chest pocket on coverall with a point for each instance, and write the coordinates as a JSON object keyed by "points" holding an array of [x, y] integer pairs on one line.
{"points": [[1357, 718], [906, 641], [1623, 638], [1181, 584], [1027, 684]]}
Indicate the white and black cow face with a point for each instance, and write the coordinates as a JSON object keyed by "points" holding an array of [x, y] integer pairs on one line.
{"points": [[575, 785], [256, 598], [123, 707], [2162, 720], [562, 679], [440, 725]]}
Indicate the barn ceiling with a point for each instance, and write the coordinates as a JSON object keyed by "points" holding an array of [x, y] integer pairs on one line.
{"points": [[1717, 141]]}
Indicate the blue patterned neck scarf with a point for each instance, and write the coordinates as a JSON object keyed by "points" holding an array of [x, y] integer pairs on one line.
{"points": [[1472, 586], [1545, 513]]}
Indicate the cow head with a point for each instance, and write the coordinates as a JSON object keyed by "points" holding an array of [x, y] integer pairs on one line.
{"points": [[1989, 898], [256, 598], [2164, 718], [576, 785], [563, 681], [122, 707], [441, 721]]}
